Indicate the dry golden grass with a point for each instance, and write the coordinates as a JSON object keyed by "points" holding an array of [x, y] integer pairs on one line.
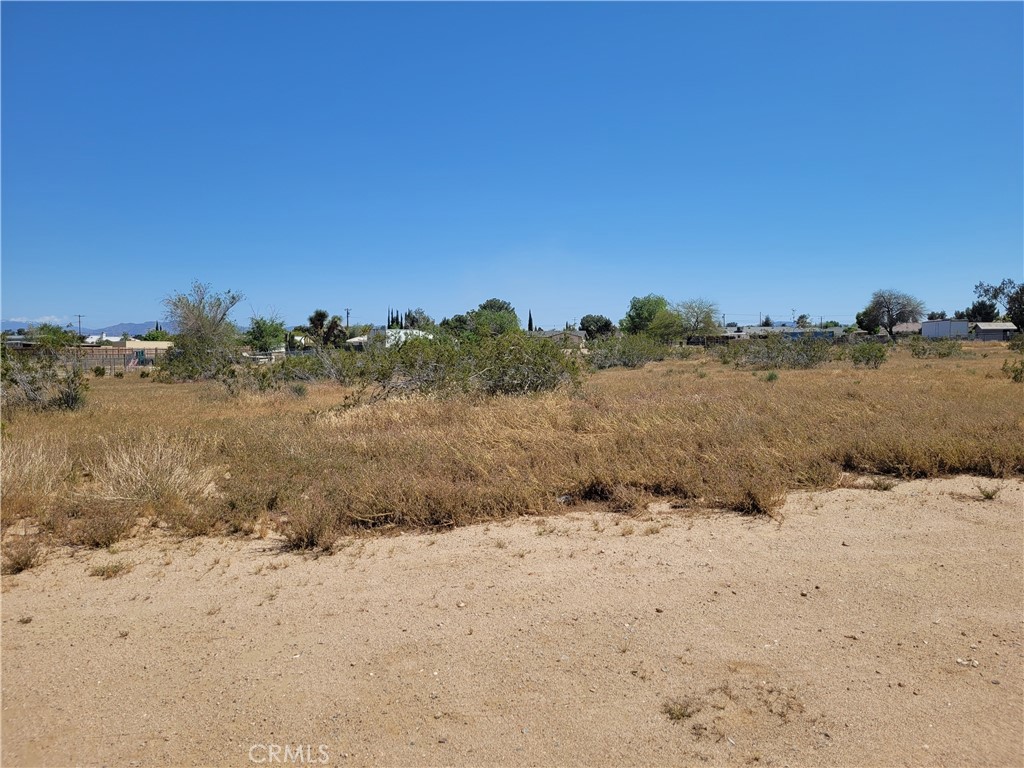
{"points": [[197, 460]]}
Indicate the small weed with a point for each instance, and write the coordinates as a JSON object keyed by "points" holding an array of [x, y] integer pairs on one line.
{"points": [[988, 492], [680, 709], [22, 553], [25, 620], [628, 529], [881, 483], [771, 376], [112, 569]]}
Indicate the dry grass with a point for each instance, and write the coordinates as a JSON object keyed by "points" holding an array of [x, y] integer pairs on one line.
{"points": [[33, 471], [112, 569], [21, 553], [723, 441]]}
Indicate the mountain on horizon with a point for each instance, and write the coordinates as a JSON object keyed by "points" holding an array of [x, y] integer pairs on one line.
{"points": [[132, 329]]}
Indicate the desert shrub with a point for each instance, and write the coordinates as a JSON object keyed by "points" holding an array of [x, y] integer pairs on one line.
{"points": [[1014, 369], [302, 368], [516, 364], [21, 553], [250, 377], [1016, 344], [118, 374], [870, 354], [774, 351], [143, 374], [508, 364], [99, 371], [311, 524], [89, 522], [921, 347], [41, 382], [627, 351]]}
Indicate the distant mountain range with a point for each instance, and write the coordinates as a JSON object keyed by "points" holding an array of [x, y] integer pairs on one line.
{"points": [[132, 329]]}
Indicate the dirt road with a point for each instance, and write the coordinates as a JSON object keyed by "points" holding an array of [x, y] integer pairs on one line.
{"points": [[868, 628]]}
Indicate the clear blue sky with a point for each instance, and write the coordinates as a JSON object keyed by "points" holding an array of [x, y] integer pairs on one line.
{"points": [[771, 157]]}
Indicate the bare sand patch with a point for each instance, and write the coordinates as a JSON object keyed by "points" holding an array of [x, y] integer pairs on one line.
{"points": [[869, 627]]}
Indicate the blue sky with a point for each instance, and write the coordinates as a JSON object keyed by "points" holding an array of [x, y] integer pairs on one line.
{"points": [[566, 157]]}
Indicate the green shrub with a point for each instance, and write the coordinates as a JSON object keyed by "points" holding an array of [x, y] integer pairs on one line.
{"points": [[1014, 369], [99, 371], [921, 347], [775, 351], [118, 374], [870, 354], [628, 351], [41, 382]]}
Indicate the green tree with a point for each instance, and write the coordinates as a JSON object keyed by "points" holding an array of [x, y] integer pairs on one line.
{"points": [[940, 315], [206, 339], [982, 311], [888, 308], [641, 313], [52, 338], [265, 334], [1000, 294], [803, 321], [323, 330], [667, 326], [698, 316], [498, 305], [596, 326], [490, 322], [418, 319], [494, 317], [767, 322], [155, 334]]}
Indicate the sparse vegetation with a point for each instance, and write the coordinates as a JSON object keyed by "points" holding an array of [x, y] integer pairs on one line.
{"points": [[680, 709], [21, 553], [314, 472], [921, 347], [988, 492], [112, 569]]}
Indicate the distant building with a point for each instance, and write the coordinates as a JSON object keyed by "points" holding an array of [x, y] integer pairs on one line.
{"points": [[569, 336], [945, 329], [906, 329], [390, 336], [993, 331]]}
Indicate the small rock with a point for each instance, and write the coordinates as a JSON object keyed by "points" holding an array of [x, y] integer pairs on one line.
{"points": [[995, 682], [442, 740], [845, 544], [460, 604], [803, 594], [659, 610]]}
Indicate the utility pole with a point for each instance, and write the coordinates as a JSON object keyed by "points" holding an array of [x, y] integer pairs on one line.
{"points": [[347, 310], [79, 323]]}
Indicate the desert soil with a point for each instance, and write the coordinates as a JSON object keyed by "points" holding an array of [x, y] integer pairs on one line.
{"points": [[866, 628]]}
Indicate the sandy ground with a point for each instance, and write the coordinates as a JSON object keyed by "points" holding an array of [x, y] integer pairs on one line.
{"points": [[868, 628]]}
